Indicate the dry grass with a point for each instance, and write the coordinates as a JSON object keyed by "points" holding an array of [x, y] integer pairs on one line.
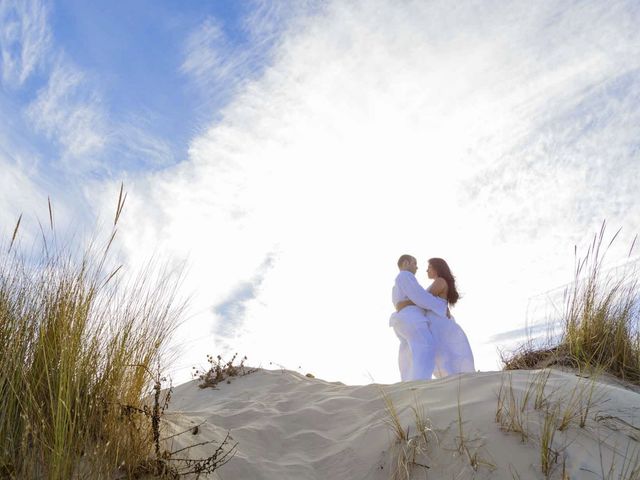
{"points": [[630, 467], [470, 446], [513, 414], [600, 334], [512, 410], [601, 322], [576, 407], [557, 409], [77, 341], [409, 450], [548, 454], [624, 465]]}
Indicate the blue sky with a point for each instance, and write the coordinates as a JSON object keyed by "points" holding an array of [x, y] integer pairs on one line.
{"points": [[122, 64], [135, 51], [289, 152]]}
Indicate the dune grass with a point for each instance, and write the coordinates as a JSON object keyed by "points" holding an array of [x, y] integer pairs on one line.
{"points": [[77, 343], [409, 450], [600, 325], [543, 415]]}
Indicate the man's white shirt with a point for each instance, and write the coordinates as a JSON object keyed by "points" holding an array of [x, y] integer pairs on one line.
{"points": [[406, 287]]}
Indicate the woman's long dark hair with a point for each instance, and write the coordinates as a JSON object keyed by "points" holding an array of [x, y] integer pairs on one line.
{"points": [[443, 270]]}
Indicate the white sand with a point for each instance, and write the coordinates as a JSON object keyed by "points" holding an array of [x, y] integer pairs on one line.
{"points": [[289, 426]]}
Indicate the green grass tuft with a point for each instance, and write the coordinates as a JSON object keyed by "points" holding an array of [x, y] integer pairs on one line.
{"points": [[77, 342], [601, 323]]}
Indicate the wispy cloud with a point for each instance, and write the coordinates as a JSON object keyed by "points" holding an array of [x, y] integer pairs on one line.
{"points": [[135, 146], [25, 39], [68, 111], [231, 312], [577, 140], [62, 109], [267, 21], [66, 106], [519, 336], [19, 195], [220, 65], [208, 56]]}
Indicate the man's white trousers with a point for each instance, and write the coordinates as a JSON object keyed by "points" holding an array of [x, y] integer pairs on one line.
{"points": [[416, 356]]}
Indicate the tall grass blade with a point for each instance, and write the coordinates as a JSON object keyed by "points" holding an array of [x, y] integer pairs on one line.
{"points": [[50, 214], [15, 233]]}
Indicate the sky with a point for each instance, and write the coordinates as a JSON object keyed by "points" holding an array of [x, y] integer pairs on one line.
{"points": [[287, 153]]}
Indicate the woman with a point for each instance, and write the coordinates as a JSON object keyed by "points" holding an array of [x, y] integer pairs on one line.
{"points": [[453, 353]]}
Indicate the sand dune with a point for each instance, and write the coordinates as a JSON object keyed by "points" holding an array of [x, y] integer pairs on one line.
{"points": [[289, 426]]}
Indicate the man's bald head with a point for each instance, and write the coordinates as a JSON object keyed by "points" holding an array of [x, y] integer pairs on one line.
{"points": [[408, 263]]}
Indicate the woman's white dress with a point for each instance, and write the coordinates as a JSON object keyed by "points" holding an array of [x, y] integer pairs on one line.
{"points": [[452, 350]]}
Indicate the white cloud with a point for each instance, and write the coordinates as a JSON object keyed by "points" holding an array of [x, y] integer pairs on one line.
{"points": [[23, 188], [266, 20], [220, 65], [25, 39], [378, 130], [133, 143], [68, 111], [67, 107], [26, 193], [207, 54], [19, 195]]}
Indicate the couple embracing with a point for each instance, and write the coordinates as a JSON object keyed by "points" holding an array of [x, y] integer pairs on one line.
{"points": [[431, 342]]}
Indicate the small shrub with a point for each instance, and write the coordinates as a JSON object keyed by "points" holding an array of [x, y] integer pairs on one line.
{"points": [[220, 371], [170, 464]]}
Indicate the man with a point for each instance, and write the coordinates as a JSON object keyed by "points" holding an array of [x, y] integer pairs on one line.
{"points": [[416, 356]]}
